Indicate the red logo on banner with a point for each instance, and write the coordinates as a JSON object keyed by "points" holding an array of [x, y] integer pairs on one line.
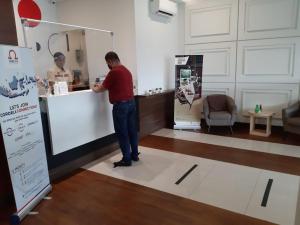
{"points": [[29, 9]]}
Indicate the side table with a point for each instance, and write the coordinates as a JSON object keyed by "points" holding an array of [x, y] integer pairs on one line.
{"points": [[259, 132]]}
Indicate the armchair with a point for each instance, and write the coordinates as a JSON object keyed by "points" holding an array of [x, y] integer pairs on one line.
{"points": [[219, 110], [291, 118]]}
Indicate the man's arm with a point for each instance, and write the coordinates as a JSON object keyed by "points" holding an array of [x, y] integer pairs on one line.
{"points": [[105, 85], [50, 77], [98, 88]]}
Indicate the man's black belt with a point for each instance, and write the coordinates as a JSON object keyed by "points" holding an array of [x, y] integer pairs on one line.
{"points": [[124, 101]]}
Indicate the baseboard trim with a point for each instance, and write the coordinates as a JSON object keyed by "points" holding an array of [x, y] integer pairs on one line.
{"points": [[187, 125]]}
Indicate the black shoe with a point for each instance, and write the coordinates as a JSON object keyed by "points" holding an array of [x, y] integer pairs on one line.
{"points": [[122, 163], [135, 158]]}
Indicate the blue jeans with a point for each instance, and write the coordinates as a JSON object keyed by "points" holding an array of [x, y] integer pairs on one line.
{"points": [[124, 116]]}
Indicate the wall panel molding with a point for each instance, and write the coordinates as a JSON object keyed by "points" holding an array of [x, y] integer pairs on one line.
{"points": [[218, 88], [272, 97], [219, 60], [269, 61], [222, 16], [268, 19]]}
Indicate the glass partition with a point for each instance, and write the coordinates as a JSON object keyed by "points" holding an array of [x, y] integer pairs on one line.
{"points": [[83, 49]]}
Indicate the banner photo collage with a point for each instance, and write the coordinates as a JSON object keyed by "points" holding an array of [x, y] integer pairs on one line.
{"points": [[188, 90]]}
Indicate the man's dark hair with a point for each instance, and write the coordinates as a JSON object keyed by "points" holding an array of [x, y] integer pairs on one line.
{"points": [[57, 55], [112, 56]]}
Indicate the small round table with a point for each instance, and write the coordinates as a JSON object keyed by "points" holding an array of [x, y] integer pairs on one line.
{"points": [[259, 132]]}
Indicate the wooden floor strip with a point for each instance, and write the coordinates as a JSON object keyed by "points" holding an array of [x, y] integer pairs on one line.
{"points": [[88, 198], [261, 160]]}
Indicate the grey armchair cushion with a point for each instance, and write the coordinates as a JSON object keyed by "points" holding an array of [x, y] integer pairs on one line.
{"points": [[219, 110], [221, 115]]}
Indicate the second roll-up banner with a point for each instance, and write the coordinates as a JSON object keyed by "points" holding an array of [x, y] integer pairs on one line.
{"points": [[188, 88], [21, 126]]}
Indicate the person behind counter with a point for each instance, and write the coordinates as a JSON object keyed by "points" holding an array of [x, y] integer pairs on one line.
{"points": [[119, 84], [58, 72]]}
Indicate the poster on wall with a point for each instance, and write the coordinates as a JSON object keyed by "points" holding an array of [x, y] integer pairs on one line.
{"points": [[188, 87], [21, 127]]}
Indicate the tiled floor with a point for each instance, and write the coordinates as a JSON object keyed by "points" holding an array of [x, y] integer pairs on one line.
{"points": [[229, 186], [282, 203]]}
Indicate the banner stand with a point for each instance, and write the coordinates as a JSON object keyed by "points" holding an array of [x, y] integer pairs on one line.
{"points": [[16, 218], [188, 91], [22, 131]]}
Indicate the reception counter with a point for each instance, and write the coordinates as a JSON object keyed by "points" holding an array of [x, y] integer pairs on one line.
{"points": [[77, 118]]}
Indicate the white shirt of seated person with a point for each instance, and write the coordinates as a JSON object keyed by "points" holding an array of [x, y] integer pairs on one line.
{"points": [[57, 74]]}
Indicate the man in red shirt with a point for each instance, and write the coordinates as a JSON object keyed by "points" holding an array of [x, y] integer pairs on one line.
{"points": [[119, 84]]}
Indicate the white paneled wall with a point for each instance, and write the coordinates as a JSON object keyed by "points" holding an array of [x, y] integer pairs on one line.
{"points": [[269, 60], [268, 19], [211, 21], [219, 60], [273, 97], [251, 50], [218, 88]]}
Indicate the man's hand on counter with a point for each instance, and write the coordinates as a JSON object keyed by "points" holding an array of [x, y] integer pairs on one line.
{"points": [[98, 88]]}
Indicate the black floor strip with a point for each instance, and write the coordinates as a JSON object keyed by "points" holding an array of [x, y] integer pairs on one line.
{"points": [[186, 174], [267, 192]]}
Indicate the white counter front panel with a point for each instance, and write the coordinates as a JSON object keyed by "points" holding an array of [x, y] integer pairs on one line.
{"points": [[78, 118]]}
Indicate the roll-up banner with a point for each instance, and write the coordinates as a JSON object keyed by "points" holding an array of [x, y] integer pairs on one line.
{"points": [[188, 87], [21, 127]]}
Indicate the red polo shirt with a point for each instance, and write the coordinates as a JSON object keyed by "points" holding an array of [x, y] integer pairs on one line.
{"points": [[118, 82]]}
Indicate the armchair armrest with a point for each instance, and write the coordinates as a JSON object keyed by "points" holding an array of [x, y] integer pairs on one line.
{"points": [[231, 106], [290, 111], [206, 109]]}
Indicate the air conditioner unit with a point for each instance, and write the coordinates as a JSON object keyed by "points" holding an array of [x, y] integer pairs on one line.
{"points": [[164, 7]]}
